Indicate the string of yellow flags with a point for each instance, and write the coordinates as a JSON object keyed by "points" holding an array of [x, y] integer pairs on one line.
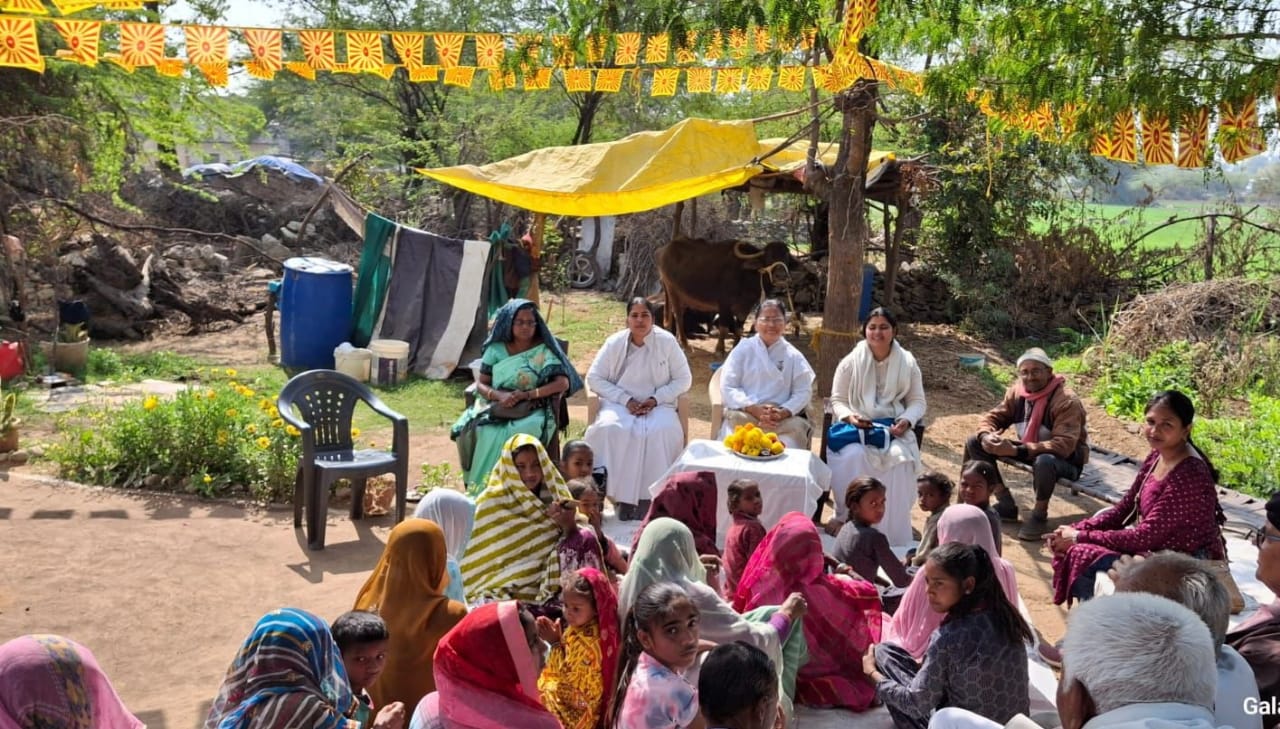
{"points": [[514, 61]]}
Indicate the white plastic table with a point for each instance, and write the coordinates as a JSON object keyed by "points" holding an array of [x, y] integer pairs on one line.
{"points": [[790, 483]]}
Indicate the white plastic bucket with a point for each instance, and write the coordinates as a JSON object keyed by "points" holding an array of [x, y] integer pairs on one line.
{"points": [[390, 361], [353, 362]]}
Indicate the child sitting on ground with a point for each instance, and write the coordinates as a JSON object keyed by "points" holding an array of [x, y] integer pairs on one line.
{"points": [[362, 638], [978, 480], [577, 460], [745, 533], [591, 505], [864, 548], [579, 546], [660, 641], [577, 681], [933, 494], [738, 687]]}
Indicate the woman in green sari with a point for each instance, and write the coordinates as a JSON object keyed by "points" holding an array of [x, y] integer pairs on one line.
{"points": [[521, 371]]}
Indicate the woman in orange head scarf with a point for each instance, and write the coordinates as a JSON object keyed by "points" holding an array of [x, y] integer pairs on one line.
{"points": [[407, 590]]}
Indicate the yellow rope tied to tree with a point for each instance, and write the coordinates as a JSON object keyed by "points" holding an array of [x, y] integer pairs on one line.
{"points": [[816, 341]]}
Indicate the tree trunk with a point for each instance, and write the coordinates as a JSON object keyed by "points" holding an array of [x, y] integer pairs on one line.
{"points": [[848, 222], [587, 117], [890, 256]]}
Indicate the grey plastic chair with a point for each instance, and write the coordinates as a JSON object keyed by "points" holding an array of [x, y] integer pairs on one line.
{"points": [[325, 402]]}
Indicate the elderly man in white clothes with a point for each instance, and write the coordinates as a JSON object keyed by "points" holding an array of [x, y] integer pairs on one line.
{"points": [[766, 381], [639, 374], [1131, 660]]}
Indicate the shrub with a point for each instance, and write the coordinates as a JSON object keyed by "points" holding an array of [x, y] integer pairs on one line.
{"points": [[1128, 383], [1244, 449], [215, 439]]}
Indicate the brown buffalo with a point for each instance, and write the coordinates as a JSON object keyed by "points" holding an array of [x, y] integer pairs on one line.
{"points": [[726, 278]]}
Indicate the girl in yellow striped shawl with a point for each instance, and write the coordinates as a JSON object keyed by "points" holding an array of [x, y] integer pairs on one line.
{"points": [[512, 554]]}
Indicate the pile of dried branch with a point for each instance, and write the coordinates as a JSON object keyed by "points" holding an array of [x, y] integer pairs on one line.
{"points": [[1230, 310]]}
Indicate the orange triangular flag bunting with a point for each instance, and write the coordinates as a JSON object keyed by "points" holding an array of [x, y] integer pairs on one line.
{"points": [[562, 47], [1124, 138], [609, 80], [19, 47], [318, 49], [728, 80], [460, 76], [266, 47], [1157, 140], [1193, 135], [664, 82], [698, 80], [628, 51], [761, 40], [657, 49], [409, 47], [141, 44], [759, 78], [449, 49], [302, 69], [30, 7], [215, 73], [577, 80], [596, 47], [688, 51], [170, 67], [738, 44], [364, 51], [715, 47], [791, 78], [206, 44], [1238, 134], [424, 74], [489, 50], [82, 38]]}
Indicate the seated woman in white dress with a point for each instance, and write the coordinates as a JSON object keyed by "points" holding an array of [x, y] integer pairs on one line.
{"points": [[879, 381], [638, 374], [766, 381]]}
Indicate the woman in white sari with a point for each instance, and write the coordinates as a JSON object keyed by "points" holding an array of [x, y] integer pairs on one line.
{"points": [[767, 382], [638, 374], [878, 381]]}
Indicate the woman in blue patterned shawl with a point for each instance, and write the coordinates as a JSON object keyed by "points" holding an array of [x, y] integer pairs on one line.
{"points": [[288, 673]]}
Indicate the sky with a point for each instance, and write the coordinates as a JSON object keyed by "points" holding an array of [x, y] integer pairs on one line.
{"points": [[252, 13]]}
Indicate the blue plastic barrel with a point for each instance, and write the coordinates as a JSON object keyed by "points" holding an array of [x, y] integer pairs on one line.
{"points": [[868, 280], [315, 312]]}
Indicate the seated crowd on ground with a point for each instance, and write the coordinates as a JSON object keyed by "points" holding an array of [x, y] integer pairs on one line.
{"points": [[510, 607]]}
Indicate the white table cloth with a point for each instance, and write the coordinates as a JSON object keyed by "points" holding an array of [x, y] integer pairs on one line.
{"points": [[790, 483]]}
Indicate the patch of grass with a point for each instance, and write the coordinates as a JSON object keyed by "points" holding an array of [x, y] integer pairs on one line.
{"points": [[428, 404], [996, 378], [108, 364]]}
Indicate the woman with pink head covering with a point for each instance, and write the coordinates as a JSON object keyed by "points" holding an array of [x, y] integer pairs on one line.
{"points": [[914, 622], [51, 682], [843, 618]]}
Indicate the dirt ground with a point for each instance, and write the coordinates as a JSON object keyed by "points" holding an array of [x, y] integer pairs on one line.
{"points": [[164, 588]]}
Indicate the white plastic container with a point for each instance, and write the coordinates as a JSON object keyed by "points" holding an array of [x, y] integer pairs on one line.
{"points": [[356, 363], [390, 361]]}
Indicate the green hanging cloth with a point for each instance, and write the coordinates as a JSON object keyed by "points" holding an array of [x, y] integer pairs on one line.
{"points": [[497, 288], [375, 277]]}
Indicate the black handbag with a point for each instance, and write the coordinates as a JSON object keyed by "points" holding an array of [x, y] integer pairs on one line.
{"points": [[521, 409]]}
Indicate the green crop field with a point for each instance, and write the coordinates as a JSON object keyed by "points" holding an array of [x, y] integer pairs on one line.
{"points": [[1114, 219]]}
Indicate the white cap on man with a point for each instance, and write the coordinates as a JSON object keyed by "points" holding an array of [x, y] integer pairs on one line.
{"points": [[1035, 354]]}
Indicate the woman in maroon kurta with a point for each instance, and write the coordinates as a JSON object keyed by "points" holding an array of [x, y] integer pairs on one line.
{"points": [[1173, 504]]}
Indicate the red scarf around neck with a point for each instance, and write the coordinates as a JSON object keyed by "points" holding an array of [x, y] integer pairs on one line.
{"points": [[1039, 404]]}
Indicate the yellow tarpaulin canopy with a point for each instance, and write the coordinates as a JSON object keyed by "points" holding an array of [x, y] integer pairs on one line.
{"points": [[641, 172]]}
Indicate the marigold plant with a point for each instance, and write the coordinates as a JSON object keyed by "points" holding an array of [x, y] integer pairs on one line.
{"points": [[222, 438]]}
